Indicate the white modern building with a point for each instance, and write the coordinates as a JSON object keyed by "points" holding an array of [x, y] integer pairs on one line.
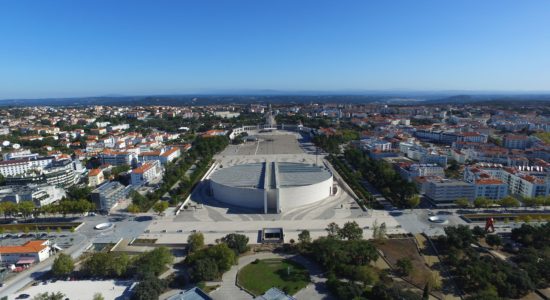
{"points": [[271, 187], [443, 192], [147, 172], [522, 181]]}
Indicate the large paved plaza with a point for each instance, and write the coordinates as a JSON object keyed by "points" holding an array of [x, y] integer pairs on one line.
{"points": [[215, 219]]}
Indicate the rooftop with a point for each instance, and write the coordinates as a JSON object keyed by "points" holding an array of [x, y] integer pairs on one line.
{"points": [[28, 247], [286, 174]]}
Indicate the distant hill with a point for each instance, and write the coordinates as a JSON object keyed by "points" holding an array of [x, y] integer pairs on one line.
{"points": [[401, 98]]}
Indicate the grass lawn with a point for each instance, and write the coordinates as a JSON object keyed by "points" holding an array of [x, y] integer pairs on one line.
{"points": [[258, 277]]}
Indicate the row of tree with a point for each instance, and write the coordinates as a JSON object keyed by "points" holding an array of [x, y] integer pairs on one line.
{"points": [[508, 201], [382, 175], [28, 208], [353, 180], [200, 154]]}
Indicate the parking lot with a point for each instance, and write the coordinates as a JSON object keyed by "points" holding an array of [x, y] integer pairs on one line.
{"points": [[79, 290]]}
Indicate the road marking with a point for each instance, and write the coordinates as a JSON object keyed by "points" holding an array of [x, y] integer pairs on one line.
{"points": [[257, 146]]}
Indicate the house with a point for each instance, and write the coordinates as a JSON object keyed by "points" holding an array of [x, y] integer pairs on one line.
{"points": [[95, 177], [26, 254]]}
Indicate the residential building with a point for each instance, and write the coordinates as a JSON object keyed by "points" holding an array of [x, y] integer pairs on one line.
{"points": [[20, 166], [512, 141], [95, 177], [118, 158], [410, 171], [521, 180], [443, 192], [148, 171], [493, 189]]}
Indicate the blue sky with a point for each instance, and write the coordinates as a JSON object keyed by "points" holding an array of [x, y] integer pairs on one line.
{"points": [[99, 47]]}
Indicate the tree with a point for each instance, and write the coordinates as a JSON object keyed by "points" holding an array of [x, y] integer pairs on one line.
{"points": [[333, 230], [98, 296], [49, 296], [133, 208], [160, 207], [304, 237], [493, 240], [478, 232], [426, 292], [482, 202], [153, 262], [413, 201], [462, 202], [149, 288], [351, 231], [404, 266], [382, 231], [237, 242], [529, 202], [204, 269], [63, 265], [508, 201], [195, 241], [26, 208]]}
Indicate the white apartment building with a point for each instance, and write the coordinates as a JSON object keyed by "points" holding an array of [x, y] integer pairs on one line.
{"points": [[522, 181], [148, 171], [20, 166], [410, 172], [118, 158]]}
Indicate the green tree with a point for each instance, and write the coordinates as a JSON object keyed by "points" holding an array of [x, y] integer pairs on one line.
{"points": [[482, 202], [462, 202], [98, 296], [204, 269], [49, 296], [160, 207], [237, 242], [413, 201], [195, 241], [426, 292], [304, 237], [154, 262], [509, 201], [149, 288], [63, 265], [493, 240], [133, 208], [333, 230], [404, 266], [26, 208], [351, 231]]}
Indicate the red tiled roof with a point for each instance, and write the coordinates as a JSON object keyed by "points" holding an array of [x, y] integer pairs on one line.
{"points": [[28, 247]]}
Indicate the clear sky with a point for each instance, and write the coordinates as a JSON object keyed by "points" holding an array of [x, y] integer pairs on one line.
{"points": [[98, 47]]}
